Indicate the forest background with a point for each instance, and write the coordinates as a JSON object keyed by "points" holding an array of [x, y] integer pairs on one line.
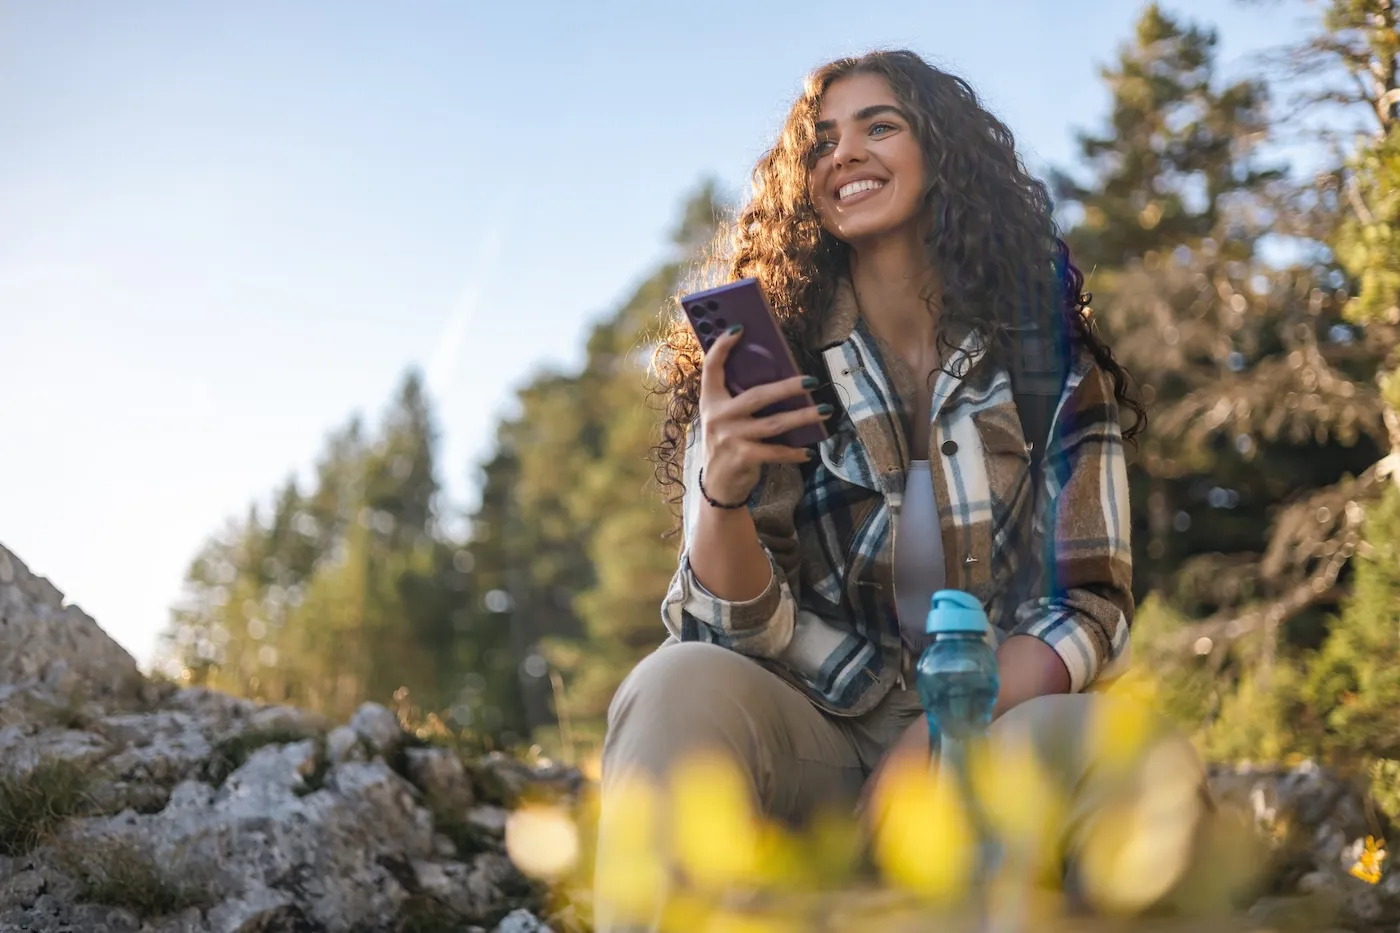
{"points": [[1256, 302]]}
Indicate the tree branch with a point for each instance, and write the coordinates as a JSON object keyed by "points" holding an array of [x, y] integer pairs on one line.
{"points": [[1225, 628]]}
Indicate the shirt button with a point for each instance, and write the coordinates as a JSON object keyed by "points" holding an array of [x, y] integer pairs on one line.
{"points": [[949, 448]]}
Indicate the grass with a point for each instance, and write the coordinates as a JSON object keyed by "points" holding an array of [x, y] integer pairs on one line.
{"points": [[230, 754], [423, 913], [33, 804], [122, 872], [317, 778]]}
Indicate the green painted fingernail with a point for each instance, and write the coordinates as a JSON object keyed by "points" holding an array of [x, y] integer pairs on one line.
{"points": [[825, 410], [809, 382], [735, 329]]}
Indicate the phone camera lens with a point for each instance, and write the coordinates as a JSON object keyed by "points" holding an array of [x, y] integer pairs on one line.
{"points": [[704, 327], [712, 305], [721, 323]]}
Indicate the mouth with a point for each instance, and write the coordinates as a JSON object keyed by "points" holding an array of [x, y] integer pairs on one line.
{"points": [[858, 190]]}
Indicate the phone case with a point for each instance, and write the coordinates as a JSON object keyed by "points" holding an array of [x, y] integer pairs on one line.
{"points": [[762, 354]]}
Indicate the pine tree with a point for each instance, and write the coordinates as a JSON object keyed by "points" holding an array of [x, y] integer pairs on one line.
{"points": [[352, 591], [569, 534], [1260, 396], [1176, 149], [1336, 703]]}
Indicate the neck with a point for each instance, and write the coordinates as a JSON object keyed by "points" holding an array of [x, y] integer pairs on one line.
{"points": [[893, 282]]}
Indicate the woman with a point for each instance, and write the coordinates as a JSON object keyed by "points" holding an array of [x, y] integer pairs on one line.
{"points": [[915, 267]]}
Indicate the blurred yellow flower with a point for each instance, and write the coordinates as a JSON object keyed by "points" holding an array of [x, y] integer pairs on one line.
{"points": [[924, 842], [591, 766], [1018, 799], [832, 845], [714, 831], [1368, 863], [630, 889], [725, 921], [542, 841], [1120, 730], [1137, 846], [781, 859], [631, 880]]}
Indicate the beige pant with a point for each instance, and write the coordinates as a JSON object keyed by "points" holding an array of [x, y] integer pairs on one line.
{"points": [[691, 697]]}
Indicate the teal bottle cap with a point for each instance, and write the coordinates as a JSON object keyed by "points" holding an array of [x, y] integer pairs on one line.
{"points": [[956, 611]]}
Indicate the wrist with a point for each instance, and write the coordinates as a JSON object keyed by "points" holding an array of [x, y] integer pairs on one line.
{"points": [[718, 497]]}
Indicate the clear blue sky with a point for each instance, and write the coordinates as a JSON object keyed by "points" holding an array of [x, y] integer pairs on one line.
{"points": [[225, 227]]}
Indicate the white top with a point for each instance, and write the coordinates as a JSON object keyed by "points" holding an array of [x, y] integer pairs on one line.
{"points": [[918, 554]]}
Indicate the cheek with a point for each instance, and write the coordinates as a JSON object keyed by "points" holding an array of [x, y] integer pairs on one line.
{"points": [[819, 202]]}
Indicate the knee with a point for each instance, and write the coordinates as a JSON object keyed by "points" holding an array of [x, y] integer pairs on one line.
{"points": [[675, 680], [680, 698]]}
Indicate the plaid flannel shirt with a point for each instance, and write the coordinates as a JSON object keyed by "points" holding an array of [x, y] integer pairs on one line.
{"points": [[1055, 565]]}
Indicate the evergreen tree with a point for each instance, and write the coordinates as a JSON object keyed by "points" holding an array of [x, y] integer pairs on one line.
{"points": [[352, 591], [1335, 703], [1260, 396], [569, 534]]}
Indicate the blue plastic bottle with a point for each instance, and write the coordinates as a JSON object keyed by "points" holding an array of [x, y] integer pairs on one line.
{"points": [[957, 674], [958, 683]]}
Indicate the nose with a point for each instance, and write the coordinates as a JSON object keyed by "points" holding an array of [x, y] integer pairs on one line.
{"points": [[850, 149]]}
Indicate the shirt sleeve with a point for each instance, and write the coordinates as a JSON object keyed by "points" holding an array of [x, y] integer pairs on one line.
{"points": [[762, 626], [1084, 607]]}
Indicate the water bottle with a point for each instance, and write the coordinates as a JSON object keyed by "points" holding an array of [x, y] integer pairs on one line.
{"points": [[958, 683], [957, 674]]}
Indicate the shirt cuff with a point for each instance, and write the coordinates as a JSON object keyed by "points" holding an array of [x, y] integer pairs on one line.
{"points": [[728, 615], [1065, 632]]}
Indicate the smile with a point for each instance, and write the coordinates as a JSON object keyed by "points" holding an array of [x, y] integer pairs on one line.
{"points": [[858, 187]]}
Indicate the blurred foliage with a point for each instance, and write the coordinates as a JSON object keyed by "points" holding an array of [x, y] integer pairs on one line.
{"points": [[351, 591], [1295, 656]]}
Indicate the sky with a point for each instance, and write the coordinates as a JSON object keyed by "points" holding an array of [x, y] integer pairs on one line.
{"points": [[227, 227]]}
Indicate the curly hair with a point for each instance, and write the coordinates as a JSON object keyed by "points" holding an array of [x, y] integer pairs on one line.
{"points": [[990, 236]]}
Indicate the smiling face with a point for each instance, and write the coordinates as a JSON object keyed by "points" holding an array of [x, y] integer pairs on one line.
{"points": [[867, 175]]}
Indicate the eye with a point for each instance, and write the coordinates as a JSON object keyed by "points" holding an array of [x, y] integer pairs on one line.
{"points": [[887, 128], [821, 146]]}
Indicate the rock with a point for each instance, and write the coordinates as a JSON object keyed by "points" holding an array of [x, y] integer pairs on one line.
{"points": [[378, 727], [218, 712], [481, 889], [22, 889], [41, 639], [1317, 824], [22, 748], [442, 776], [287, 720], [254, 815], [343, 744], [161, 748], [522, 921], [489, 819]]}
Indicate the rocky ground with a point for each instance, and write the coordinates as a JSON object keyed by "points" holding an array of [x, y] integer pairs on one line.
{"points": [[130, 805]]}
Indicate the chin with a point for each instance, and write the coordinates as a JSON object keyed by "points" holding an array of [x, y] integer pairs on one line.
{"points": [[866, 230]]}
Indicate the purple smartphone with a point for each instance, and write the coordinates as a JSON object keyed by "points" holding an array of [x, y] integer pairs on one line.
{"points": [[762, 354]]}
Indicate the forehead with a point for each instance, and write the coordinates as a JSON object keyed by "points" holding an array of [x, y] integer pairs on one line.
{"points": [[847, 96]]}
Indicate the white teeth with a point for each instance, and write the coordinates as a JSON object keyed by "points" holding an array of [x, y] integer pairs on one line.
{"points": [[856, 187]]}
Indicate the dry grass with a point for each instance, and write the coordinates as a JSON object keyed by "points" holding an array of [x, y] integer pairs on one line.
{"points": [[34, 803], [119, 871]]}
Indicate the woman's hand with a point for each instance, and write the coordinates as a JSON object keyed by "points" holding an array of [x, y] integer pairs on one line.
{"points": [[735, 439]]}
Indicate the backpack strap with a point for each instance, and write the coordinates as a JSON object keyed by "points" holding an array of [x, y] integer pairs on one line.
{"points": [[1038, 365]]}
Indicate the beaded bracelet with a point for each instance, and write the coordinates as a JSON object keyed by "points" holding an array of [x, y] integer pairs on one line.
{"points": [[715, 502]]}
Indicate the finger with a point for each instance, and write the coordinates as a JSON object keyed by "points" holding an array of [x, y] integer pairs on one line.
{"points": [[761, 396], [712, 367], [773, 425], [755, 452]]}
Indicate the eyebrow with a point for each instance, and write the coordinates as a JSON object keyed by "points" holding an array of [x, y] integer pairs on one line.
{"points": [[864, 114]]}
